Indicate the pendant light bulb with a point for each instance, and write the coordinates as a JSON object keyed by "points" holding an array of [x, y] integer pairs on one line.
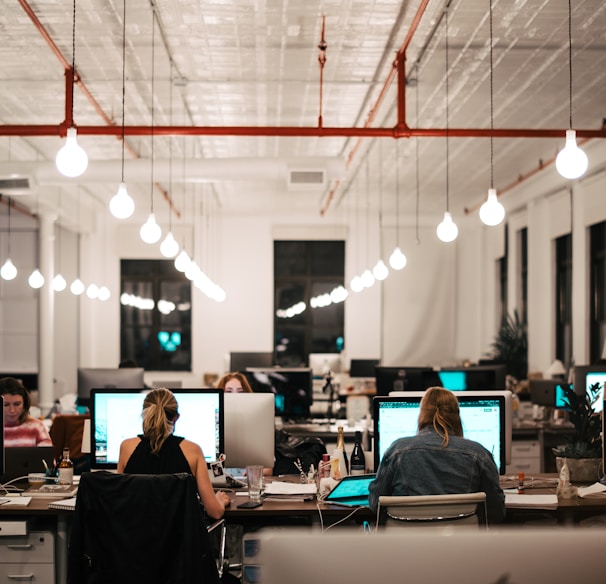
{"points": [[71, 160], [92, 291], [36, 279], [8, 271], [104, 293], [571, 161], [59, 283], [368, 279], [169, 248], [182, 261], [380, 271], [397, 260], [77, 287], [492, 211], [447, 230], [122, 205], [150, 231], [356, 284]]}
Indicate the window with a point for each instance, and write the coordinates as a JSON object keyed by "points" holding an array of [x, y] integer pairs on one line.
{"points": [[155, 315], [563, 300], [597, 291], [523, 275], [304, 270], [502, 271]]}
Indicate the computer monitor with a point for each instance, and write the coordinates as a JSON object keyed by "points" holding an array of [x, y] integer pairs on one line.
{"points": [[249, 429], [403, 378], [486, 418], [116, 415], [108, 378], [2, 436], [322, 363], [542, 391], [474, 377], [292, 389], [239, 361], [587, 375], [560, 401], [364, 368]]}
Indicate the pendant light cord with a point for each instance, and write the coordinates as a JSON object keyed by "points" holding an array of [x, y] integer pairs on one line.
{"points": [[73, 63], [491, 107], [446, 82], [570, 63], [153, 48], [9, 225], [398, 193], [123, 79], [417, 189]]}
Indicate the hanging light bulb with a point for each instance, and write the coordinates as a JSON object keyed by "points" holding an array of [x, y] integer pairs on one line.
{"points": [[59, 283], [492, 211], [8, 271], [368, 279], [571, 161], [122, 205], [169, 248], [36, 279], [92, 291], [71, 160], [104, 293], [397, 260], [77, 287], [356, 284], [182, 261], [150, 231], [447, 230], [380, 271]]}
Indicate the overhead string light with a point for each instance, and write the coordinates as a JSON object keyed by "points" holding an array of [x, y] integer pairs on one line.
{"points": [[150, 231], [8, 271], [380, 271], [397, 259], [71, 160], [492, 211], [571, 161], [122, 205], [447, 230], [77, 286], [368, 279]]}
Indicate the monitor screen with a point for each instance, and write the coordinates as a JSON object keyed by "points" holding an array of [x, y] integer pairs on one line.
{"points": [[249, 429], [292, 389], [486, 418], [116, 415], [560, 402], [475, 377], [239, 361], [322, 363], [594, 387], [363, 367], [402, 378], [95, 378]]}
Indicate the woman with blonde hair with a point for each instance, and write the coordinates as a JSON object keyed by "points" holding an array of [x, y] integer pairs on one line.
{"points": [[234, 383], [438, 460], [159, 451]]}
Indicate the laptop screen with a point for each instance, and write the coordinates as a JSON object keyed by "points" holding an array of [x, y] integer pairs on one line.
{"points": [[351, 490]]}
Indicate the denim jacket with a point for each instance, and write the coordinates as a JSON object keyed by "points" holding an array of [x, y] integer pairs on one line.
{"points": [[421, 465]]}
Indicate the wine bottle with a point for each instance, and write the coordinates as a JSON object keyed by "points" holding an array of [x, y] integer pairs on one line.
{"points": [[341, 446], [357, 461], [66, 469]]}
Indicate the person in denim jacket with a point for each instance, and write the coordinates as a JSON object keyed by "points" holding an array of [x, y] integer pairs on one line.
{"points": [[439, 460]]}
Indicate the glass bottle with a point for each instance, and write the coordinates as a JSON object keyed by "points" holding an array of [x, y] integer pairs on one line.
{"points": [[341, 447], [357, 461], [66, 469]]}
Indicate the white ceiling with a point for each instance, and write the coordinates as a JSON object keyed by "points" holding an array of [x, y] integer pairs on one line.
{"points": [[252, 66]]}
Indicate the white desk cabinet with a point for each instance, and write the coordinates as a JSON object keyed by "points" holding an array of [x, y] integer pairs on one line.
{"points": [[526, 457], [28, 558]]}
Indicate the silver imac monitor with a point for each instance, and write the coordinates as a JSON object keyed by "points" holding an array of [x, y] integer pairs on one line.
{"points": [[108, 378], [249, 429], [322, 363]]}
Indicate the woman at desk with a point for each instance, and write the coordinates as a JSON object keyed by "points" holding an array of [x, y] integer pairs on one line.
{"points": [[158, 451], [234, 383], [20, 428], [438, 460]]}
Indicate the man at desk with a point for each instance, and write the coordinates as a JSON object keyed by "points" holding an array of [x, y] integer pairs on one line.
{"points": [[438, 460]]}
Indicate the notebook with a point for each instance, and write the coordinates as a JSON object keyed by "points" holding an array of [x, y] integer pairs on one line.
{"points": [[351, 491], [20, 461]]}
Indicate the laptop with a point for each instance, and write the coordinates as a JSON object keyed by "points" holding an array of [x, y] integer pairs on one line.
{"points": [[351, 491], [20, 461]]}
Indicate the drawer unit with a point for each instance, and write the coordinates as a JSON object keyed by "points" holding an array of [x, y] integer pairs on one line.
{"points": [[29, 558], [526, 457]]}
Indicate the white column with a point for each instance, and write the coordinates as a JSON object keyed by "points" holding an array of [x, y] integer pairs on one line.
{"points": [[46, 313]]}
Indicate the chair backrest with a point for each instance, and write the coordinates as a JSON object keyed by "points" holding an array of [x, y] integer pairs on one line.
{"points": [[139, 529], [433, 511]]}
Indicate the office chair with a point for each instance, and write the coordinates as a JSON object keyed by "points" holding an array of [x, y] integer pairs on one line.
{"points": [[433, 511], [141, 529]]}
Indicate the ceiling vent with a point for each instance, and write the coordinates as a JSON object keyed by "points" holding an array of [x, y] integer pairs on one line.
{"points": [[16, 185], [306, 179]]}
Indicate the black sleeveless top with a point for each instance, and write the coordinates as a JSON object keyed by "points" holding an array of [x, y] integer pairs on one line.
{"points": [[169, 460]]}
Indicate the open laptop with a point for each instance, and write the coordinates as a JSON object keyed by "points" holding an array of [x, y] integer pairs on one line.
{"points": [[20, 461], [351, 491]]}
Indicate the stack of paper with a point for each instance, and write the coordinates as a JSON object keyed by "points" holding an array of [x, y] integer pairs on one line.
{"points": [[597, 490], [515, 501], [284, 488]]}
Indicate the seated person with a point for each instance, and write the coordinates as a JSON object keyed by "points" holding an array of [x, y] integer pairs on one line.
{"points": [[20, 428], [234, 383], [439, 460], [158, 451]]}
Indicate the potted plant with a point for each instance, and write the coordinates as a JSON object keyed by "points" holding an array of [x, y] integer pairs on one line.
{"points": [[510, 346], [583, 447]]}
